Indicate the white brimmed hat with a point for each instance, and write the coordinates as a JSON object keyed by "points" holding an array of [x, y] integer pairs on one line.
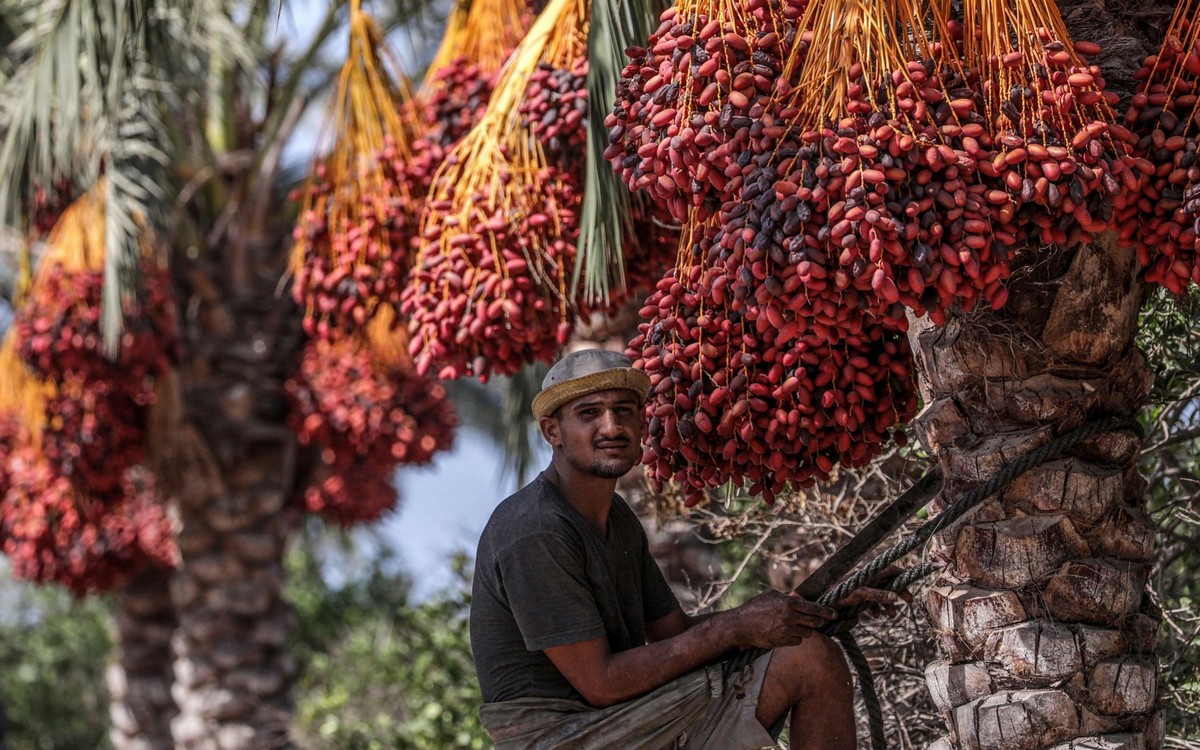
{"points": [[587, 371]]}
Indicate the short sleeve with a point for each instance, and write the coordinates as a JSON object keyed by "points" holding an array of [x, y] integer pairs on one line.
{"points": [[544, 577], [657, 598]]}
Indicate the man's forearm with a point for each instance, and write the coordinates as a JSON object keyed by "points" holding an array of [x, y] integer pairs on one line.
{"points": [[628, 674]]}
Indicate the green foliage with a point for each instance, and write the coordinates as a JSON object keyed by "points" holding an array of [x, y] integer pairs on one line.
{"points": [[1170, 338], [1169, 335], [379, 672], [53, 652]]}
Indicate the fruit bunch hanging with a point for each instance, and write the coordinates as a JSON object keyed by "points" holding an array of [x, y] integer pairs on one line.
{"points": [[59, 328], [350, 492], [1164, 224], [489, 291], [1054, 144], [360, 206], [95, 416], [687, 102], [479, 39], [54, 531], [80, 508], [366, 412], [765, 401]]}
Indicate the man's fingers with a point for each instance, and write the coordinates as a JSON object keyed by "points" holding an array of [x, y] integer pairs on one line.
{"points": [[812, 608], [871, 596]]}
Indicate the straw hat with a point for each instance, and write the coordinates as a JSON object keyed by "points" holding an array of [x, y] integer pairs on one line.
{"points": [[587, 371]]}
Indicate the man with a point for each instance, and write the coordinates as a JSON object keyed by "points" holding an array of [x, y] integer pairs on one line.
{"points": [[578, 640]]}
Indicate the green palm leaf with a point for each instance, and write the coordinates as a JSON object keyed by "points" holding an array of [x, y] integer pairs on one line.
{"points": [[76, 106], [605, 216]]}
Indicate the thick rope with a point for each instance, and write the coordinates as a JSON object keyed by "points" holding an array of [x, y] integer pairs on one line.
{"points": [[866, 683], [1052, 450]]}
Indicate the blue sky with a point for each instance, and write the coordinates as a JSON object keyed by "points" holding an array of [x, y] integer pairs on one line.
{"points": [[444, 506]]}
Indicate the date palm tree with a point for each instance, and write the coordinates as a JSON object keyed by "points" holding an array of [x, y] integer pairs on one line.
{"points": [[1040, 608], [185, 107]]}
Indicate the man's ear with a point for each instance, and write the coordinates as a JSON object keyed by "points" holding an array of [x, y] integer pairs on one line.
{"points": [[550, 430]]}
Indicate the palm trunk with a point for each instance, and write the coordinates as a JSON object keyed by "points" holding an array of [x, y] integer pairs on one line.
{"points": [[237, 469], [139, 680], [1040, 610]]}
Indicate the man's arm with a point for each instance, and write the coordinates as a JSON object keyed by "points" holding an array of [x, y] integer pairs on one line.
{"points": [[669, 626], [673, 624], [604, 678]]}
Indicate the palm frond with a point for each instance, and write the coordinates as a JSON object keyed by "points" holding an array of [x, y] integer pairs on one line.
{"points": [[518, 418], [10, 29], [210, 28], [76, 106], [56, 78], [605, 215], [134, 176]]}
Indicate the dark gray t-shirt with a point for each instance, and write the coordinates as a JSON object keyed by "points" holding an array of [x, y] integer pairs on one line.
{"points": [[544, 577]]}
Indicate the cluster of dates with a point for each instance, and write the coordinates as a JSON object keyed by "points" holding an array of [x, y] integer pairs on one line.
{"points": [[95, 415], [355, 242], [688, 103], [365, 419], [78, 507], [1164, 224], [496, 295], [766, 410], [820, 240], [53, 531]]}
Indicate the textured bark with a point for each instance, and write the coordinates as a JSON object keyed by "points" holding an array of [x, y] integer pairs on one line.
{"points": [[235, 472], [1040, 609], [139, 679]]}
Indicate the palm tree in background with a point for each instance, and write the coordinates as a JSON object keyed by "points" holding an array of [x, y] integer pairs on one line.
{"points": [[186, 107]]}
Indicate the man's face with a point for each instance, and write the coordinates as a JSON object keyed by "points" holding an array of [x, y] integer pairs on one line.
{"points": [[598, 434]]}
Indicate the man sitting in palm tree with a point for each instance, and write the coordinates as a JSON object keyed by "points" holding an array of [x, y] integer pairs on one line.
{"points": [[578, 640]]}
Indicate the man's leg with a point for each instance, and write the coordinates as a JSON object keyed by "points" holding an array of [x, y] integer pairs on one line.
{"points": [[813, 682]]}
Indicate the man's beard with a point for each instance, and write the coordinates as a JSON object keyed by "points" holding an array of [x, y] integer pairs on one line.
{"points": [[605, 468], [609, 470]]}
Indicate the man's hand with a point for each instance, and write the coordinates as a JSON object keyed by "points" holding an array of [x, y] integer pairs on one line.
{"points": [[874, 600], [772, 619]]}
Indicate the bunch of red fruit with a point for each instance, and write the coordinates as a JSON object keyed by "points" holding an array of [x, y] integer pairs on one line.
{"points": [[365, 419]]}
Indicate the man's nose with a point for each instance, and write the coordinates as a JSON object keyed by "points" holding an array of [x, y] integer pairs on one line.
{"points": [[610, 424]]}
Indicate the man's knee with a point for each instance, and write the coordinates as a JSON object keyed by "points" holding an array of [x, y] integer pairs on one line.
{"points": [[817, 666], [812, 674]]}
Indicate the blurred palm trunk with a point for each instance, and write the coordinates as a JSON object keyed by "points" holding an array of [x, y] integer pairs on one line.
{"points": [[139, 679], [235, 481]]}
